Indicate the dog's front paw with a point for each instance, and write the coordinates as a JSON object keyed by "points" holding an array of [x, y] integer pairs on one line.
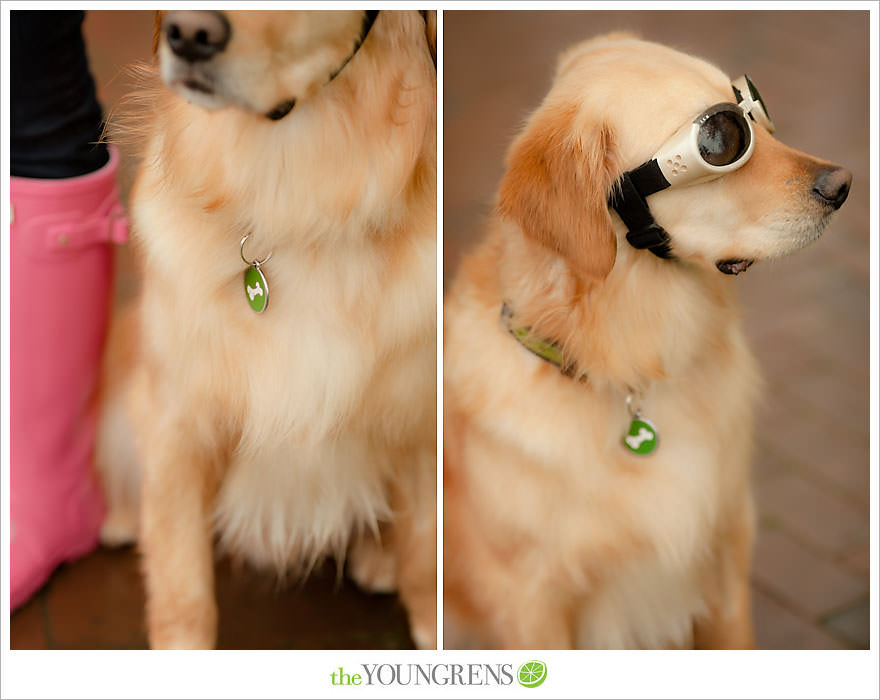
{"points": [[120, 528], [182, 641], [423, 630], [372, 566], [193, 629]]}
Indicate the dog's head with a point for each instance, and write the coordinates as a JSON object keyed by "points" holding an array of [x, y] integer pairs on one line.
{"points": [[614, 102], [263, 62]]}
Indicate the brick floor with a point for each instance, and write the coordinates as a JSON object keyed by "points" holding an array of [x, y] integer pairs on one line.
{"points": [[98, 602], [798, 502], [807, 315], [788, 629], [852, 624], [809, 582]]}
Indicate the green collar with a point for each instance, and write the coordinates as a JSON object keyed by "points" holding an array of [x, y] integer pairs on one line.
{"points": [[545, 349], [642, 437]]}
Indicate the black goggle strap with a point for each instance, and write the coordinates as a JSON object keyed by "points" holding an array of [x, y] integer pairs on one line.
{"points": [[628, 199], [739, 98], [755, 98]]}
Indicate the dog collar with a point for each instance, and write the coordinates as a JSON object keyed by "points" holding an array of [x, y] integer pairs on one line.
{"points": [[369, 19], [283, 109], [547, 350], [641, 437]]}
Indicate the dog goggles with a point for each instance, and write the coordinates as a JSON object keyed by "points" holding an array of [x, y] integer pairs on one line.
{"points": [[718, 141]]}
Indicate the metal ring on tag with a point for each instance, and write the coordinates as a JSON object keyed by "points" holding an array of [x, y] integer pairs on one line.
{"points": [[252, 263], [633, 413], [642, 437]]}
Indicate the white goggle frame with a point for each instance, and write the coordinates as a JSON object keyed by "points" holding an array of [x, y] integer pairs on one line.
{"points": [[679, 158]]}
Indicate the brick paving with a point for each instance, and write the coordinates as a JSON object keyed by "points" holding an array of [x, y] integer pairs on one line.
{"points": [[98, 603], [807, 315]]}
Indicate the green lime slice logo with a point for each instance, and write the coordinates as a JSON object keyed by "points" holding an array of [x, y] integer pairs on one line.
{"points": [[531, 674]]}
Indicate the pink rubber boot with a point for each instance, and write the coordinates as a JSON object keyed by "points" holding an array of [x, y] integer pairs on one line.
{"points": [[61, 289]]}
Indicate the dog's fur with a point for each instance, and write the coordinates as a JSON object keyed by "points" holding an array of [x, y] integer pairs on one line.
{"points": [[309, 429], [555, 536]]}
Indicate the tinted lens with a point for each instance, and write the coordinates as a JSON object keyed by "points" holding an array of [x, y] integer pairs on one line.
{"points": [[723, 136]]}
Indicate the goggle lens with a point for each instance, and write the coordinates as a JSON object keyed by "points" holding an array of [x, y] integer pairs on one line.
{"points": [[723, 136]]}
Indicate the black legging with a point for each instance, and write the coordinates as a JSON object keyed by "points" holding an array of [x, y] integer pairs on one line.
{"points": [[55, 116]]}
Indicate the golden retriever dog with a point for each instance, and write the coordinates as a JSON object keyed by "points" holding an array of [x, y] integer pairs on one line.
{"points": [[598, 396], [273, 388]]}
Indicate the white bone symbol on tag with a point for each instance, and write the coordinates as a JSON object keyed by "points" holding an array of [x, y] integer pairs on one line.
{"points": [[635, 441], [254, 291]]}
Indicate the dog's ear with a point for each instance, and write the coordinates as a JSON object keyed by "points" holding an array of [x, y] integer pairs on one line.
{"points": [[430, 17], [158, 15], [560, 171]]}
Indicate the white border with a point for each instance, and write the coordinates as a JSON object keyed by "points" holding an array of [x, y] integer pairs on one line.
{"points": [[440, 330], [874, 350], [285, 674], [4, 347]]}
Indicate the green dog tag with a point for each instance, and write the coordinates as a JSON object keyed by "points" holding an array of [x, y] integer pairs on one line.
{"points": [[256, 288], [642, 437]]}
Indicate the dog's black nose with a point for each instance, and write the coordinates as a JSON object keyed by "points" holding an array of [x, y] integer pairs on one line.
{"points": [[832, 186], [196, 35]]}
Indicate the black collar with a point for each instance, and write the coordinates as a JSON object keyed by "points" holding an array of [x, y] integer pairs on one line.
{"points": [[284, 108], [369, 18]]}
